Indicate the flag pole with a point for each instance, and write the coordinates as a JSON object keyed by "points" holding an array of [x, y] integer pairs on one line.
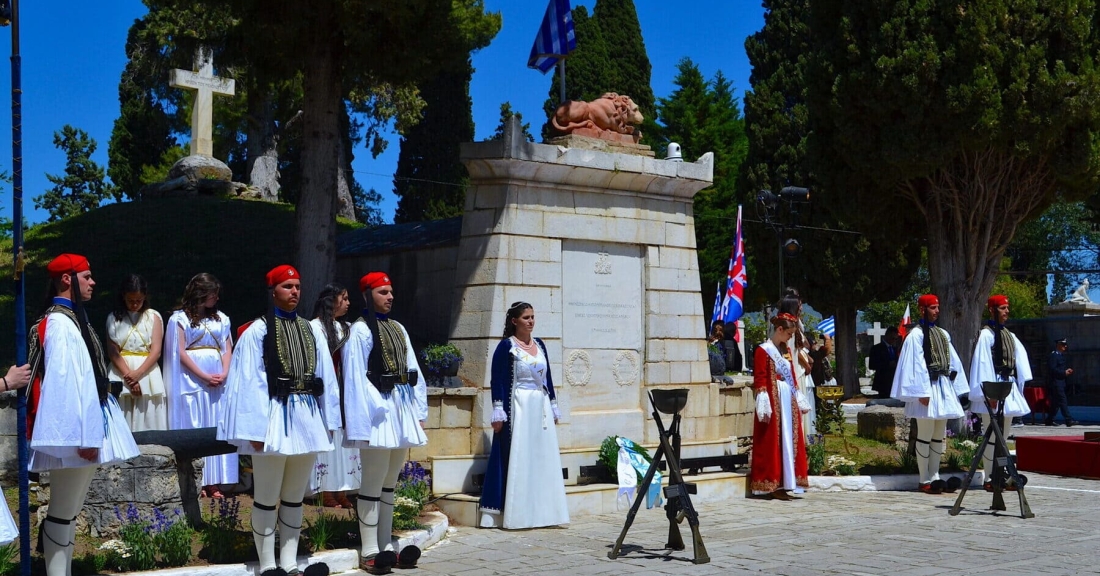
{"points": [[18, 285], [561, 76]]}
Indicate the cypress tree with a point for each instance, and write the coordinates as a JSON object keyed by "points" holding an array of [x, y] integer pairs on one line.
{"points": [[430, 181], [587, 69], [631, 70]]}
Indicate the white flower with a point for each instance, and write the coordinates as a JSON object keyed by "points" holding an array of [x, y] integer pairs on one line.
{"points": [[968, 444], [117, 546], [405, 501]]}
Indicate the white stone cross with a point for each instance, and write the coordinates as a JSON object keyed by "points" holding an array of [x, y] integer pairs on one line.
{"points": [[205, 84], [876, 333]]}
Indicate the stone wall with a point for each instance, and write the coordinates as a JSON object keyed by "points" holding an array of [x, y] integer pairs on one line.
{"points": [[152, 481], [421, 280]]}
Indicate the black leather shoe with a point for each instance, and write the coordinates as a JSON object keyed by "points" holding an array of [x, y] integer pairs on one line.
{"points": [[1070, 423], [408, 557]]}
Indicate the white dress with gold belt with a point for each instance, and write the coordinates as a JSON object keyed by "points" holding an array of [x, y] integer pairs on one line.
{"points": [[134, 337]]}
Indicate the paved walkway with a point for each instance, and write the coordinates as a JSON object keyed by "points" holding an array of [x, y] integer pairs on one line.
{"points": [[894, 533]]}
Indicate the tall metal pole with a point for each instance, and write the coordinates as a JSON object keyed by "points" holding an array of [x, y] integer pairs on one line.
{"points": [[561, 77], [20, 303]]}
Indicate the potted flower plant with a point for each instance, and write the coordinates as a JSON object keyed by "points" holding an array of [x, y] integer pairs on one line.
{"points": [[440, 360]]}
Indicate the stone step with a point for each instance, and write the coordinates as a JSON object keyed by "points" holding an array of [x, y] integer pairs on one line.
{"points": [[455, 474], [601, 498]]}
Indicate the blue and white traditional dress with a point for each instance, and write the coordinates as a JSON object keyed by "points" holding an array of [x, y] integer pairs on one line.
{"points": [[70, 414], [523, 485], [191, 403], [1010, 363], [382, 420], [339, 469], [299, 426]]}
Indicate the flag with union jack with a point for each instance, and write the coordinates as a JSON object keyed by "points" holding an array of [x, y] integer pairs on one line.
{"points": [[737, 278]]}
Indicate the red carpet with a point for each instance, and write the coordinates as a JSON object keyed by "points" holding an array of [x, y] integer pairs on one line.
{"points": [[1061, 455]]}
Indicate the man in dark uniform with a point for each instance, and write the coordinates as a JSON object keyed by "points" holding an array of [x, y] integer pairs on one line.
{"points": [[883, 359], [1056, 386]]}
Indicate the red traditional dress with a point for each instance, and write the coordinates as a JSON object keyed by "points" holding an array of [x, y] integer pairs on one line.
{"points": [[778, 444]]}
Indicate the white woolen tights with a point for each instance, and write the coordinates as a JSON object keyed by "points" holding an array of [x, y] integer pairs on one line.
{"points": [[375, 505], [930, 435], [987, 456], [68, 489], [279, 480]]}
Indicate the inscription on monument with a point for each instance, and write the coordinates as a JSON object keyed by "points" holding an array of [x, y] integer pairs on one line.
{"points": [[602, 295]]}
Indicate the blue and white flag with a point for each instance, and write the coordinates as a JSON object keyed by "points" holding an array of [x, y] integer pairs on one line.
{"points": [[827, 326], [555, 39], [716, 313]]}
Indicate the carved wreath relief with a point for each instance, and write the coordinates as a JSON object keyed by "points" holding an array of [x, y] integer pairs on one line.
{"points": [[578, 368]]}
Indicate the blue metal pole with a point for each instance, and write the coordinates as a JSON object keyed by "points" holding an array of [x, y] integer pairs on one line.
{"points": [[20, 303]]}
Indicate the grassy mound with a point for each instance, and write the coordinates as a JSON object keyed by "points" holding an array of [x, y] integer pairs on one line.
{"points": [[165, 240]]}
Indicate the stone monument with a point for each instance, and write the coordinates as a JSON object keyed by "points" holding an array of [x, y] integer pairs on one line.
{"points": [[200, 173], [603, 245]]}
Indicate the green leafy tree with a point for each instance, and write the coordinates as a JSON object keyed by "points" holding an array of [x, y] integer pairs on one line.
{"points": [[839, 269], [82, 187], [366, 205], [971, 116], [587, 69], [430, 182], [703, 116], [506, 113], [341, 51]]}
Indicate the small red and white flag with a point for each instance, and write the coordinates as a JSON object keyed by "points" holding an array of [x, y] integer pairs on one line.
{"points": [[904, 322]]}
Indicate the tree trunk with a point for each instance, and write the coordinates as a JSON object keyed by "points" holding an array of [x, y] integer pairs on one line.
{"points": [[973, 208], [345, 205], [847, 373], [322, 106], [262, 144]]}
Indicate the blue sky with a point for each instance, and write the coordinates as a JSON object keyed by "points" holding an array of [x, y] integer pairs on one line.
{"points": [[73, 53]]}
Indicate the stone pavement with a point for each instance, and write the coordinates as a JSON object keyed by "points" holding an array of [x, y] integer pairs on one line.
{"points": [[895, 533]]}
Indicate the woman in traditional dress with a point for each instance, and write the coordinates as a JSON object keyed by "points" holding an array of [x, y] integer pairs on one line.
{"points": [[198, 346], [791, 303], [523, 484], [778, 445], [282, 404], [386, 405], [135, 334], [336, 471]]}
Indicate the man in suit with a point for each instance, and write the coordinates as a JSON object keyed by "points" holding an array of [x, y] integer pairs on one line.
{"points": [[884, 361], [1059, 371]]}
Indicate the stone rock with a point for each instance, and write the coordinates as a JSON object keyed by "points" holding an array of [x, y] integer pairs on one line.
{"points": [[154, 480], [196, 168], [883, 423]]}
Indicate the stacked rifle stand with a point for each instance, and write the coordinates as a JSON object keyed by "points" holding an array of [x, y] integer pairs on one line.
{"points": [[996, 391], [677, 492]]}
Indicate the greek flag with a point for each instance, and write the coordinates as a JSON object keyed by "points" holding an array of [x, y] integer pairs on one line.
{"points": [[716, 314], [827, 326], [555, 39]]}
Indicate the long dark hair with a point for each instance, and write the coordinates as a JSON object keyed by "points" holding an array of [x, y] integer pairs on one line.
{"points": [[132, 283], [199, 288], [514, 311], [324, 309]]}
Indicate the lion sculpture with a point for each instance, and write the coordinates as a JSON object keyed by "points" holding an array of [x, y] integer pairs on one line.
{"points": [[611, 117]]}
